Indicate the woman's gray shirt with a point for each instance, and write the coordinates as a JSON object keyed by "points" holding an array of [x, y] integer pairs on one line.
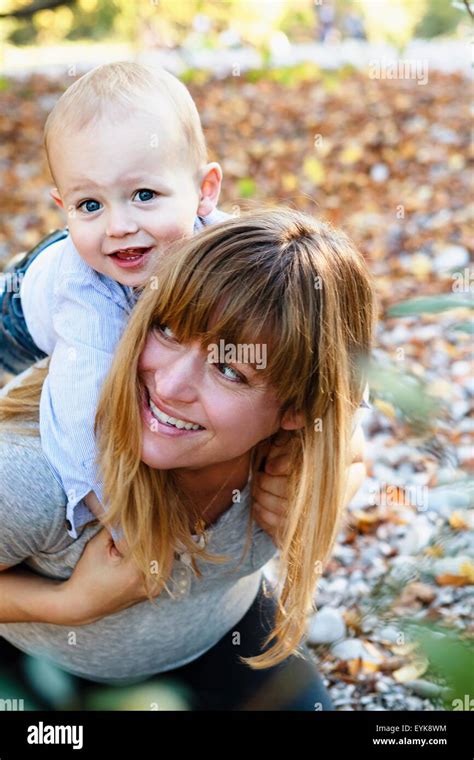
{"points": [[144, 639]]}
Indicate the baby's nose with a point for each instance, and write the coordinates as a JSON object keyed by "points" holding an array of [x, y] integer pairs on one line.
{"points": [[120, 224]]}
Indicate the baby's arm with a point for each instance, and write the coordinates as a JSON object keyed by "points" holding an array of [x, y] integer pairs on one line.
{"points": [[95, 506], [88, 326], [270, 490]]}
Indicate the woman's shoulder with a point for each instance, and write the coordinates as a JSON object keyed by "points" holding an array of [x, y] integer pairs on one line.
{"points": [[23, 463], [32, 502]]}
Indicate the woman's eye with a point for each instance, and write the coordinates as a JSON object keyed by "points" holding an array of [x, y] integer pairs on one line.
{"points": [[145, 195], [89, 206], [234, 376], [166, 331]]}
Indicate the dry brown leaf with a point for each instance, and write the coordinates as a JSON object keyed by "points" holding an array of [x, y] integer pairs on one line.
{"points": [[461, 519], [404, 649], [412, 670], [452, 580], [416, 591]]}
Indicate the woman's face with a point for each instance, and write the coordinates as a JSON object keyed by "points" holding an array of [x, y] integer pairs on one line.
{"points": [[231, 403]]}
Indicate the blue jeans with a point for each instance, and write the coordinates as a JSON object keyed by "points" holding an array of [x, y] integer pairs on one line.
{"points": [[219, 681], [18, 351]]}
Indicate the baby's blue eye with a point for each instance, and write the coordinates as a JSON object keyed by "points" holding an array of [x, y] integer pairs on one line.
{"points": [[88, 204], [149, 194]]}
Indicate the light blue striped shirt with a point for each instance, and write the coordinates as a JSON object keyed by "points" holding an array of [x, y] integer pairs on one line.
{"points": [[76, 316]]}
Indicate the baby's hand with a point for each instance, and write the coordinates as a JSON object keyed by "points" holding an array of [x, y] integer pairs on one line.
{"points": [[270, 488]]}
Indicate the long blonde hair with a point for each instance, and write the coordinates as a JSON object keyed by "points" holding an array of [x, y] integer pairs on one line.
{"points": [[300, 283]]}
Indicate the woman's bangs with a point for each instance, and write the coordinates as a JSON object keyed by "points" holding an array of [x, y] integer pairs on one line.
{"points": [[224, 317], [211, 299]]}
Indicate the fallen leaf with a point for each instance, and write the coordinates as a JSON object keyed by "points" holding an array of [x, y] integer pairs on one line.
{"points": [[413, 670]]}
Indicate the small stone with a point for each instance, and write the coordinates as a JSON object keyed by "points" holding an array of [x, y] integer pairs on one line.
{"points": [[446, 498], [460, 368], [451, 257], [426, 688], [444, 135], [352, 649], [359, 588], [326, 626], [418, 537], [379, 172], [468, 384], [389, 634], [451, 565], [337, 586], [466, 425]]}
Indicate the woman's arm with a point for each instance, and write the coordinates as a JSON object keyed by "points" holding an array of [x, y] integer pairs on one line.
{"points": [[28, 598], [102, 583]]}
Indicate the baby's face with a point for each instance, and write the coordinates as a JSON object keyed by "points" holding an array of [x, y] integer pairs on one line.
{"points": [[127, 192]]}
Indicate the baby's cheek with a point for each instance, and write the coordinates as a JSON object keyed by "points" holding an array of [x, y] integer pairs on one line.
{"points": [[176, 225], [178, 232]]}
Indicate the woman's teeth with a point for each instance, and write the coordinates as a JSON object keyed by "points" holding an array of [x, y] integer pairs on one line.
{"points": [[165, 418]]}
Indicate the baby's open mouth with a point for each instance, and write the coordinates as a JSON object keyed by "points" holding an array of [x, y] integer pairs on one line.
{"points": [[131, 256]]}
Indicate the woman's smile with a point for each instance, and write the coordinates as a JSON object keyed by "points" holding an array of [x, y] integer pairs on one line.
{"points": [[159, 421]]}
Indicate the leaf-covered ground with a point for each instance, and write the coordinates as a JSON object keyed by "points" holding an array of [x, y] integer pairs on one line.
{"points": [[391, 162]]}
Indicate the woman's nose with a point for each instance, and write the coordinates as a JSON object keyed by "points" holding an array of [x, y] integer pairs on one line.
{"points": [[119, 224], [178, 379]]}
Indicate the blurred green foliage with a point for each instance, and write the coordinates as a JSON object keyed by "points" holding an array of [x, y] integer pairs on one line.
{"points": [[37, 684], [451, 658], [441, 17], [429, 305], [202, 22]]}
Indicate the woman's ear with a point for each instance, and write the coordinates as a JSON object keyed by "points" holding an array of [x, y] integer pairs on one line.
{"points": [[54, 193], [210, 189], [292, 420]]}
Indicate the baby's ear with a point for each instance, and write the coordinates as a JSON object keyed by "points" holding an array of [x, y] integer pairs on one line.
{"points": [[210, 188], [54, 193]]}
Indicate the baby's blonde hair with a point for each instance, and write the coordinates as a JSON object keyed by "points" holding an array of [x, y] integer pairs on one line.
{"points": [[113, 89]]}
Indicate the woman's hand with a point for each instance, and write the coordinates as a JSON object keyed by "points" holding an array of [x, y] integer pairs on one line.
{"points": [[102, 583]]}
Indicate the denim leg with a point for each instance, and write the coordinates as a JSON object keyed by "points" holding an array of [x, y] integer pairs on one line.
{"points": [[219, 681], [18, 351]]}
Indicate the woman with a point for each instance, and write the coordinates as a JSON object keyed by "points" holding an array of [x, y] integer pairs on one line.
{"points": [[291, 302]]}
